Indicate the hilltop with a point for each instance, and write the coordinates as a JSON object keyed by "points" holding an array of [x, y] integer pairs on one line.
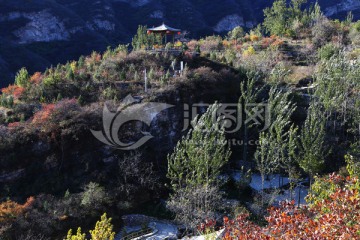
{"points": [[37, 34]]}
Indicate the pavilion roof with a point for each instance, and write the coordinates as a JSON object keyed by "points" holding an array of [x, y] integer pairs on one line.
{"points": [[164, 27]]}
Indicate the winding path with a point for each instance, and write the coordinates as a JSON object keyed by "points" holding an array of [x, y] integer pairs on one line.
{"points": [[165, 231], [162, 230]]}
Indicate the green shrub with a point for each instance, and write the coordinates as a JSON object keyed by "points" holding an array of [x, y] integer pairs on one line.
{"points": [[103, 231], [354, 33], [109, 93], [22, 78], [94, 196], [237, 33], [327, 51], [355, 54]]}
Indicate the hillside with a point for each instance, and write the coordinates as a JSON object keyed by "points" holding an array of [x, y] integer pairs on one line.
{"points": [[37, 34], [252, 134]]}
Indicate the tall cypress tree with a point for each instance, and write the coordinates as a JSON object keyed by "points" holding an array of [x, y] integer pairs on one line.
{"points": [[276, 144], [276, 17], [200, 155], [312, 150], [194, 168], [249, 94]]}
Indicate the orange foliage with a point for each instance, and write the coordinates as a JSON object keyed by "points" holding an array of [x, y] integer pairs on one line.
{"points": [[273, 41], [44, 114], [254, 38], [36, 78], [337, 217], [14, 90], [10, 210], [96, 57], [54, 112], [157, 46], [8, 90], [192, 45], [266, 42], [18, 92], [277, 43], [226, 43]]}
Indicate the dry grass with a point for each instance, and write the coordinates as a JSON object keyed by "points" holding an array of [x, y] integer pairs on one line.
{"points": [[300, 72]]}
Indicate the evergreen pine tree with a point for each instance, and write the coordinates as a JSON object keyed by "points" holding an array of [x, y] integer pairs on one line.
{"points": [[194, 168], [22, 78], [312, 150]]}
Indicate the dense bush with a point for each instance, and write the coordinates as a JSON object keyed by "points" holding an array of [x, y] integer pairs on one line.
{"points": [[236, 34], [354, 34], [94, 197], [53, 115], [327, 51], [286, 18], [335, 217], [10, 211], [322, 31]]}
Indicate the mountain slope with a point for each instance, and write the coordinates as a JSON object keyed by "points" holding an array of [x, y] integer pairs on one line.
{"points": [[38, 33]]}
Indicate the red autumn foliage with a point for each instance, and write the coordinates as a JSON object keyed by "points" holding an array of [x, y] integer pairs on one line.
{"points": [[208, 225], [337, 217], [18, 92], [14, 90], [14, 125], [55, 112], [98, 58], [227, 43], [9, 210], [36, 78], [273, 41], [8, 90], [44, 114]]}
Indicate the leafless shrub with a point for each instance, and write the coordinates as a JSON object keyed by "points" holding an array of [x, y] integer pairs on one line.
{"points": [[193, 205]]}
